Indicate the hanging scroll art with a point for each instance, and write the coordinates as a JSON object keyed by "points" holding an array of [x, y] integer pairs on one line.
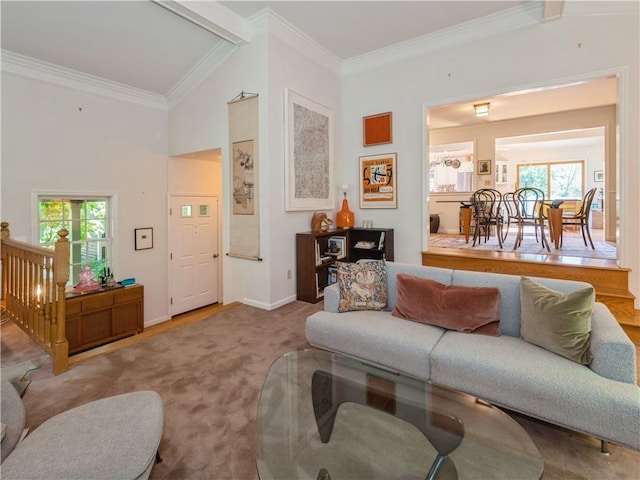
{"points": [[244, 225], [308, 154]]}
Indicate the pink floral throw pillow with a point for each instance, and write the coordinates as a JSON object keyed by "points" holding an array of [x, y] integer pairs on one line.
{"points": [[363, 286]]}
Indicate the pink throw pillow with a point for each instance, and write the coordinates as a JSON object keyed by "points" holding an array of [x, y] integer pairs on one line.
{"points": [[454, 307]]}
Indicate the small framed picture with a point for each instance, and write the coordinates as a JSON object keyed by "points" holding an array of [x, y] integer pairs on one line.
{"points": [[598, 175], [377, 129], [144, 238], [484, 167]]}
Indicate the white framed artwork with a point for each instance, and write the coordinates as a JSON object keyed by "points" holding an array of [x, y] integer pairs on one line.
{"points": [[308, 154]]}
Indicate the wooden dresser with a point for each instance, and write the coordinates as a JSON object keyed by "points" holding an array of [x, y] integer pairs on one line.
{"points": [[103, 316]]}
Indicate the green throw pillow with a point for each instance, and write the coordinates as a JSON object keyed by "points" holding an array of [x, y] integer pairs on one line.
{"points": [[558, 322], [363, 286]]}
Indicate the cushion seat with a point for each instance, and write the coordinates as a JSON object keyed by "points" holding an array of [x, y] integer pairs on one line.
{"points": [[377, 337], [115, 437], [566, 393]]}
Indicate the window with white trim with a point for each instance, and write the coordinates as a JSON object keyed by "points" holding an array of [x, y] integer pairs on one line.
{"points": [[88, 220], [558, 180]]}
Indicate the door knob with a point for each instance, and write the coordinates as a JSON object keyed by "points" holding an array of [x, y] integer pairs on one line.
{"points": [[215, 255]]}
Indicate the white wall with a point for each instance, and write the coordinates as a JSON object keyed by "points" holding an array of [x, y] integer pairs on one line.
{"points": [[58, 139], [266, 66], [288, 68], [200, 122], [571, 48], [592, 155], [194, 176], [113, 146]]}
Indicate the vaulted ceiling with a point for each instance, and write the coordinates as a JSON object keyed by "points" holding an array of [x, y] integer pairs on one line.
{"points": [[155, 46], [152, 45]]}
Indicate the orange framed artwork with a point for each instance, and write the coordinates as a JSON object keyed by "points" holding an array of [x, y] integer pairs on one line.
{"points": [[377, 129], [378, 184]]}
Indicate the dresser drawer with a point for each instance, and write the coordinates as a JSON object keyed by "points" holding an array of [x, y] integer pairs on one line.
{"points": [[128, 294], [72, 307], [101, 300]]}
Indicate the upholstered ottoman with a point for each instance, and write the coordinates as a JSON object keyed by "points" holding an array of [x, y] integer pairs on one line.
{"points": [[116, 437], [12, 417]]}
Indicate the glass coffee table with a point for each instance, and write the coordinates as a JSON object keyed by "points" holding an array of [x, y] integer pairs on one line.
{"points": [[325, 416]]}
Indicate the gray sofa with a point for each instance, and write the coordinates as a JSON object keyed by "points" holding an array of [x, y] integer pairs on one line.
{"points": [[602, 399]]}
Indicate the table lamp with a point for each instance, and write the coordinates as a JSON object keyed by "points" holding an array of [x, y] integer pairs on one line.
{"points": [[345, 217]]}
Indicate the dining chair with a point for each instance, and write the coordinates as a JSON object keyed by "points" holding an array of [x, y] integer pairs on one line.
{"points": [[581, 217], [529, 204], [510, 208], [487, 213]]}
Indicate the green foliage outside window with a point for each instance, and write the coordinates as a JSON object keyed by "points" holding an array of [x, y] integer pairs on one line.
{"points": [[557, 180], [87, 221]]}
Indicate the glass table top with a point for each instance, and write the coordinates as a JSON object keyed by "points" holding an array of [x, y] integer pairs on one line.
{"points": [[326, 416]]}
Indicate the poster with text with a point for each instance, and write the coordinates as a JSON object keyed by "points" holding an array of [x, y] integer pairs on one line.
{"points": [[378, 183]]}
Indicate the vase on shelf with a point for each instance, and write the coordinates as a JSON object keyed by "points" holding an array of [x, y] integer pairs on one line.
{"points": [[345, 217]]}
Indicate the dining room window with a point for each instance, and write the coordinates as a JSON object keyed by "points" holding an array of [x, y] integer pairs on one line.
{"points": [[559, 180]]}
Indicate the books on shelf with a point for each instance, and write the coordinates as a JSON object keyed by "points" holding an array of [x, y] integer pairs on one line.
{"points": [[319, 289], [332, 274], [365, 244], [337, 247]]}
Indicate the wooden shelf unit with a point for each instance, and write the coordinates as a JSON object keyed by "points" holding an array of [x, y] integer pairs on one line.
{"points": [[96, 318], [312, 278]]}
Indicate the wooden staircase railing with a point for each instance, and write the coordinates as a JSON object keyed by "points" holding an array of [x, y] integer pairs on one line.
{"points": [[33, 289]]}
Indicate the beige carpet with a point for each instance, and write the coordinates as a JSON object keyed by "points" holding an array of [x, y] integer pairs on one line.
{"points": [[210, 375], [573, 245]]}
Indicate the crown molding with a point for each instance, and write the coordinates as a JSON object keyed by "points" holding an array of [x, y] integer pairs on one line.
{"points": [[274, 24], [212, 17], [608, 7], [197, 74], [508, 20], [47, 72]]}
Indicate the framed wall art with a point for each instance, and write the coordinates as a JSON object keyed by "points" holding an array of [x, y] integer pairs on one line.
{"points": [[378, 181], [143, 238], [308, 154], [598, 175], [484, 167], [377, 129], [243, 154], [244, 177]]}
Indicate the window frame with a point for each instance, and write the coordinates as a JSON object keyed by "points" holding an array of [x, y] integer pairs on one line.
{"points": [[109, 223], [548, 165]]}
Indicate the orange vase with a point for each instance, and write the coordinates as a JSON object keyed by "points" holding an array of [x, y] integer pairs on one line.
{"points": [[344, 218]]}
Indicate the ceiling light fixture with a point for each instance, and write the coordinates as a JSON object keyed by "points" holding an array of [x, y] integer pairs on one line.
{"points": [[481, 109]]}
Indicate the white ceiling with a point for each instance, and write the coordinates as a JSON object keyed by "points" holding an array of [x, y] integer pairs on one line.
{"points": [[593, 93], [136, 43], [139, 44], [350, 29]]}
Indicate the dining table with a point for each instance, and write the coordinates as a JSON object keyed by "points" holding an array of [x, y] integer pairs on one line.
{"points": [[555, 225], [465, 215]]}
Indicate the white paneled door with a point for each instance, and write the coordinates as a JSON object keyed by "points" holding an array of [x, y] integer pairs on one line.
{"points": [[194, 252]]}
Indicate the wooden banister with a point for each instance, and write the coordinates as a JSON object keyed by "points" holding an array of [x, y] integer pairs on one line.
{"points": [[33, 288]]}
